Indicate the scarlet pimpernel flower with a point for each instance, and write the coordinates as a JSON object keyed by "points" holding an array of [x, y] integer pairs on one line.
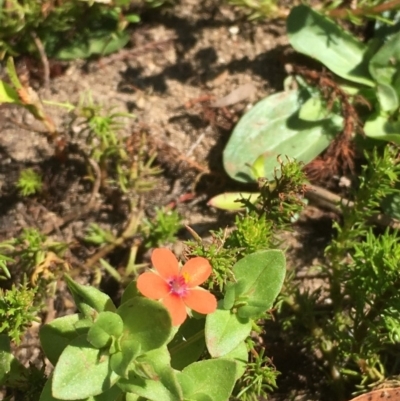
{"points": [[178, 288]]}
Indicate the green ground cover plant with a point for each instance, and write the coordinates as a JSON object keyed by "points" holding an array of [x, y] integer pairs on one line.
{"points": [[178, 323], [174, 364], [137, 350], [66, 30]]}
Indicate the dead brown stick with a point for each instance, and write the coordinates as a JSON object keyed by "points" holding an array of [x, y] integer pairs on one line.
{"points": [[129, 232], [44, 60], [328, 200]]}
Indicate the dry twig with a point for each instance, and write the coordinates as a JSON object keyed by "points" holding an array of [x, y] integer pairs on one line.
{"points": [[328, 200], [44, 60]]}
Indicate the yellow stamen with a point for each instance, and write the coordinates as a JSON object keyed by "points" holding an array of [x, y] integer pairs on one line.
{"points": [[186, 277]]}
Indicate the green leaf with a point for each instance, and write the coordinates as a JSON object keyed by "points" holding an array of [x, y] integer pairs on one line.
{"points": [[145, 321], [121, 360], [319, 37], [230, 296], [102, 42], [89, 300], [56, 335], [188, 343], [231, 200], [384, 65], [82, 371], [106, 326], [154, 379], [5, 356], [224, 331], [391, 205], [260, 276], [132, 18], [12, 74], [272, 128], [130, 292], [240, 355], [111, 394], [313, 109], [379, 127], [387, 97], [211, 379], [8, 94]]}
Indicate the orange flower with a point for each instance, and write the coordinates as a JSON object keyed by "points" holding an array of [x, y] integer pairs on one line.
{"points": [[178, 288]]}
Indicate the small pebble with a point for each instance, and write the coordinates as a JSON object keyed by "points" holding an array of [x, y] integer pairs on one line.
{"points": [[234, 30]]}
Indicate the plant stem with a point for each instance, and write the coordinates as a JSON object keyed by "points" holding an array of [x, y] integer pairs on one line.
{"points": [[345, 12]]}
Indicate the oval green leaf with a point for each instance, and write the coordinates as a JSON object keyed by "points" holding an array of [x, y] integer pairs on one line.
{"points": [[261, 276], [319, 37], [153, 378], [231, 200], [107, 325], [240, 355], [212, 379], [111, 394], [188, 343], [224, 331], [101, 42], [273, 128], [82, 371], [384, 65], [88, 299], [56, 335], [387, 97], [379, 127], [314, 109], [146, 322], [120, 361]]}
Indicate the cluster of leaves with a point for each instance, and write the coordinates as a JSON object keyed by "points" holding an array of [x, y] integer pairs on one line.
{"points": [[39, 262], [107, 351], [256, 228], [162, 228], [322, 112], [29, 182], [17, 310], [67, 29]]}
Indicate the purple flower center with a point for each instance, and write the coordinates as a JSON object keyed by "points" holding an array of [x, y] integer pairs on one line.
{"points": [[178, 286]]}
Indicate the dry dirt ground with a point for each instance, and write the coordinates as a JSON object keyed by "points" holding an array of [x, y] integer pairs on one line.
{"points": [[175, 58]]}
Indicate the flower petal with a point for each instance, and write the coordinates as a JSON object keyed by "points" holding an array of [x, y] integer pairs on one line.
{"points": [[151, 285], [165, 263], [176, 308], [200, 301], [198, 269]]}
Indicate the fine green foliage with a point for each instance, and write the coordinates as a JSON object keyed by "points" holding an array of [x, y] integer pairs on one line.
{"points": [[17, 311], [129, 170], [162, 228], [98, 236], [29, 182], [259, 378], [361, 276]]}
